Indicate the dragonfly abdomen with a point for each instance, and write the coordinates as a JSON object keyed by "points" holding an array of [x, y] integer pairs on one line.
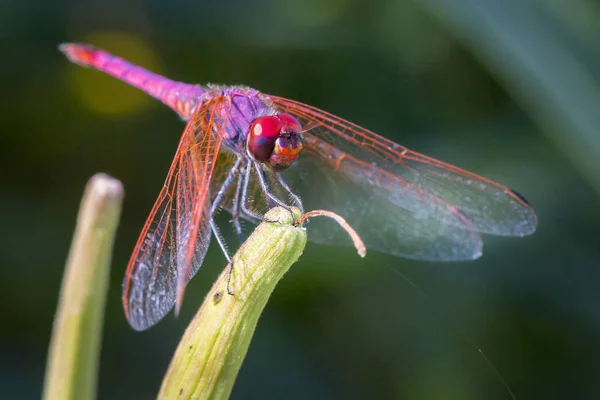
{"points": [[181, 97]]}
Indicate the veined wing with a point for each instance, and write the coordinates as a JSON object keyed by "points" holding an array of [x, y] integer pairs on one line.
{"points": [[381, 223], [397, 199], [176, 235]]}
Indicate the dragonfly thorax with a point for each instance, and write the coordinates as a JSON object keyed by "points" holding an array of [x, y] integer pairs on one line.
{"points": [[275, 140]]}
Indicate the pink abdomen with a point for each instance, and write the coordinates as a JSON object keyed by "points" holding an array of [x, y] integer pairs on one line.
{"points": [[181, 97]]}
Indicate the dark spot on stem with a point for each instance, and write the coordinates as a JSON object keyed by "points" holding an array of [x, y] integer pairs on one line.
{"points": [[217, 297]]}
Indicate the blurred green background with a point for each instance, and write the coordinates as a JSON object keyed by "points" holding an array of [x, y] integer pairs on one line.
{"points": [[508, 89]]}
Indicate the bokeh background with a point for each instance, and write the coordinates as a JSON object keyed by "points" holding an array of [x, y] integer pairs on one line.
{"points": [[508, 89]]}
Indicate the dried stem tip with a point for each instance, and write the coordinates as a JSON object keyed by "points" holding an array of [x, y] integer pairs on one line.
{"points": [[356, 240]]}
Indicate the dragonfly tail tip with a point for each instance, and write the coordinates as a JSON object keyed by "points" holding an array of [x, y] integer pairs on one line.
{"points": [[80, 54]]}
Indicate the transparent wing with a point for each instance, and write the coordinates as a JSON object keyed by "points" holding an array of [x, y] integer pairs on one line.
{"points": [[399, 201], [176, 235], [382, 224], [379, 206]]}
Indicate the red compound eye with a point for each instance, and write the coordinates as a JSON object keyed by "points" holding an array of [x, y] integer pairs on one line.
{"points": [[290, 124], [275, 140], [264, 131]]}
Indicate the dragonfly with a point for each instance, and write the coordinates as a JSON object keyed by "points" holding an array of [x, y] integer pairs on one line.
{"points": [[245, 151]]}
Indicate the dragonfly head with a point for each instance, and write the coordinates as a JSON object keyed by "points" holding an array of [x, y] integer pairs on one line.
{"points": [[275, 140]]}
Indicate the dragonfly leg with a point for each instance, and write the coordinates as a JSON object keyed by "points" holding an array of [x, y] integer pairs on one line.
{"points": [[244, 199], [235, 209], [230, 177], [215, 205], [267, 190], [295, 198], [223, 246]]}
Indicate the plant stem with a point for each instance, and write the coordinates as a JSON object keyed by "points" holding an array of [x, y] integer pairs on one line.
{"points": [[213, 347], [71, 371]]}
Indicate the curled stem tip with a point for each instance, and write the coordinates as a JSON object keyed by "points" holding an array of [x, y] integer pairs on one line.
{"points": [[356, 240]]}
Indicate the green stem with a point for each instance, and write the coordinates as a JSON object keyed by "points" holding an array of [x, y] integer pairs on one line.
{"points": [[215, 343], [71, 371]]}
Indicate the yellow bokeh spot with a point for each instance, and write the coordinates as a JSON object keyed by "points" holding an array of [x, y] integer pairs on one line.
{"points": [[105, 94]]}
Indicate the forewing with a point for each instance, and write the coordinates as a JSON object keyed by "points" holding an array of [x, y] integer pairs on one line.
{"points": [[379, 207], [173, 243], [396, 196]]}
